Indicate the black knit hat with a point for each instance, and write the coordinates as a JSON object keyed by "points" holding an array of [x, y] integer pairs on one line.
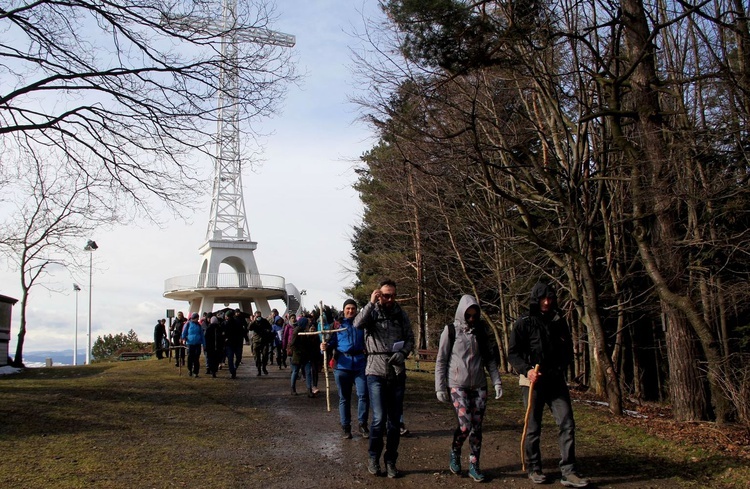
{"points": [[347, 302]]}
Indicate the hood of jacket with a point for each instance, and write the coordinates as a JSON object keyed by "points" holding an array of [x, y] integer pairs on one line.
{"points": [[539, 291], [466, 302]]}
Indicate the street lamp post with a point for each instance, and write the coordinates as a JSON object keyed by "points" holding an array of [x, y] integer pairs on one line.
{"points": [[91, 246], [77, 289]]}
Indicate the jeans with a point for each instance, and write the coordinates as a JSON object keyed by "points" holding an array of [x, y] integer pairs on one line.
{"points": [[553, 392], [233, 356], [345, 380], [179, 355], [194, 359], [387, 401], [296, 367]]}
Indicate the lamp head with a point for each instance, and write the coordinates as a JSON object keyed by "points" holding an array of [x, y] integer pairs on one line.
{"points": [[76, 287], [91, 245]]}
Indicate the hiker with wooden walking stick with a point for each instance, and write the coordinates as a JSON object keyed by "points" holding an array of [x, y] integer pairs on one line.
{"points": [[541, 350], [347, 348], [388, 341]]}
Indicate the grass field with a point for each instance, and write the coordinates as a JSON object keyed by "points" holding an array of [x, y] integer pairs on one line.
{"points": [[139, 424]]}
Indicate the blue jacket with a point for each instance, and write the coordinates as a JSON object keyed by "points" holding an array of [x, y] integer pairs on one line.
{"points": [[350, 346], [193, 333]]}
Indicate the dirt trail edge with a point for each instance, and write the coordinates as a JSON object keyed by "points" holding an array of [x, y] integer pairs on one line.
{"points": [[301, 445]]}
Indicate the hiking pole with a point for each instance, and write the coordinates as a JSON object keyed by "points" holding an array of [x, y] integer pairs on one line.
{"points": [[327, 333], [526, 420]]}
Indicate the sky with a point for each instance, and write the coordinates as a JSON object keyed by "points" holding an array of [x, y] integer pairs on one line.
{"points": [[299, 201]]}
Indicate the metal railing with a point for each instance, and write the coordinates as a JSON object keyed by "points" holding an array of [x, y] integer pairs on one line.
{"points": [[224, 280]]}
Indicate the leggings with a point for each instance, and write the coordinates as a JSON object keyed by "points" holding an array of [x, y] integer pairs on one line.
{"points": [[469, 405]]}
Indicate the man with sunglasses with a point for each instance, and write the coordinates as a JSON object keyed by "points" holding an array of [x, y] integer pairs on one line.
{"points": [[388, 341]]}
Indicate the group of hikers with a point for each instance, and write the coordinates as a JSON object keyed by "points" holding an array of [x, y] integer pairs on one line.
{"points": [[367, 349]]}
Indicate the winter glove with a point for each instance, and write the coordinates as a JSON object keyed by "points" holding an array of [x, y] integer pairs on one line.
{"points": [[443, 396], [396, 359], [498, 391]]}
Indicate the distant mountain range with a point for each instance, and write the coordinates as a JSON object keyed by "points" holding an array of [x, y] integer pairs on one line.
{"points": [[59, 357]]}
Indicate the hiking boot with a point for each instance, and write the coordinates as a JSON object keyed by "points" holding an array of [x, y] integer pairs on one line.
{"points": [[537, 477], [347, 432], [363, 430], [475, 473], [373, 466], [455, 462], [574, 480], [391, 471]]}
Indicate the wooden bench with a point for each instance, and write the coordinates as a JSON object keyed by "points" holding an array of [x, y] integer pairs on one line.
{"points": [[427, 355], [134, 355], [424, 356]]}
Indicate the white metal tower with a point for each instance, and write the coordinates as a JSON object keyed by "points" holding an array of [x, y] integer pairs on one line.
{"points": [[228, 219], [228, 235]]}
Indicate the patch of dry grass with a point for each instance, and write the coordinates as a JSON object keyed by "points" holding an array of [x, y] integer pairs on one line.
{"points": [[123, 425]]}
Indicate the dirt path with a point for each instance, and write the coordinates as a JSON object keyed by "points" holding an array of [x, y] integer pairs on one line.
{"points": [[307, 449]]}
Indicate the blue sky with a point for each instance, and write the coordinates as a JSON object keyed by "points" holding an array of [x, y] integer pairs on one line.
{"points": [[299, 201]]}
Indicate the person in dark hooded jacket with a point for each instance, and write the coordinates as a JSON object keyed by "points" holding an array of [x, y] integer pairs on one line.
{"points": [[233, 331], [542, 338], [214, 345]]}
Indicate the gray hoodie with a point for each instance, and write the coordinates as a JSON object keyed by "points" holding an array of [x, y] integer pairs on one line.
{"points": [[462, 364]]}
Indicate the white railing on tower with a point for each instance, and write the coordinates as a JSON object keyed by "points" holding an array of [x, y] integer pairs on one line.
{"points": [[224, 280]]}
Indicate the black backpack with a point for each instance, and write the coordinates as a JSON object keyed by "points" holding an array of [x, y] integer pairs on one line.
{"points": [[487, 351]]}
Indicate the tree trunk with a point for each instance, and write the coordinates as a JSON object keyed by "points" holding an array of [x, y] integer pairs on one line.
{"points": [[686, 388]]}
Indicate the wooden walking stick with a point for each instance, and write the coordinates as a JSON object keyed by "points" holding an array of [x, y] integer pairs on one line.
{"points": [[526, 420], [324, 333]]}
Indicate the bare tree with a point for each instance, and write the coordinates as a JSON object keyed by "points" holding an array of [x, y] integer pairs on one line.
{"points": [[53, 210], [131, 86]]}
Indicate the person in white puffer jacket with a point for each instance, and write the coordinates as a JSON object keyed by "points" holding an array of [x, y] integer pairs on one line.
{"points": [[467, 348]]}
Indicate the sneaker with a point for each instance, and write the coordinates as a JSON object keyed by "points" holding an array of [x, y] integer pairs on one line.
{"points": [[363, 430], [294, 392], [455, 462], [373, 466], [315, 390], [475, 473], [391, 471], [190, 374], [574, 480], [347, 432], [404, 431], [265, 370], [537, 477]]}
